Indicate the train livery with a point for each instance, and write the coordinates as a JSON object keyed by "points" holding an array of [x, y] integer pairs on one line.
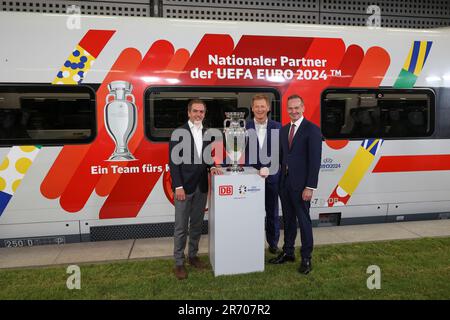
{"points": [[70, 171]]}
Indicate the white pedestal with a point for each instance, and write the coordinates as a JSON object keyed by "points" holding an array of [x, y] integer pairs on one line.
{"points": [[236, 222]]}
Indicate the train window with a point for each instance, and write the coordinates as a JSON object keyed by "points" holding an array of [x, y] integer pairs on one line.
{"points": [[46, 114], [354, 113], [166, 107]]}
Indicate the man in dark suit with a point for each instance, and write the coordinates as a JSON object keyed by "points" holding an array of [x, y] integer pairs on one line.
{"points": [[189, 173], [300, 157], [262, 130]]}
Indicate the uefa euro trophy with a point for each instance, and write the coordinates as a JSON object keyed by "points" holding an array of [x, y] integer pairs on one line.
{"points": [[120, 118], [235, 134]]}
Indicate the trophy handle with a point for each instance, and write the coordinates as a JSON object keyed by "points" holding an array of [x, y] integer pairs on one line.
{"points": [[130, 96], [108, 96], [227, 121], [242, 121]]}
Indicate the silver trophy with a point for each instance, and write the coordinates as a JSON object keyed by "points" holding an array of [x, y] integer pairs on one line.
{"points": [[235, 134], [120, 118]]}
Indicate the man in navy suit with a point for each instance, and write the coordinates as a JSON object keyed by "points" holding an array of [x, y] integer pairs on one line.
{"points": [[300, 157], [259, 156]]}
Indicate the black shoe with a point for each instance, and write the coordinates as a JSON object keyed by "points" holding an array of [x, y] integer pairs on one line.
{"points": [[273, 250], [305, 266], [282, 258]]}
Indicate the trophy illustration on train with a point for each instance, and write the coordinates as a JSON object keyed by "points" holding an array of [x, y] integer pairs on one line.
{"points": [[120, 119]]}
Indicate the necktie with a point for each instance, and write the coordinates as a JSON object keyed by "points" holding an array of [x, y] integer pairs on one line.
{"points": [[291, 135]]}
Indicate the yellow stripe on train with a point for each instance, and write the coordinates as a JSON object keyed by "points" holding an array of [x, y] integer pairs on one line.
{"points": [[356, 170]]}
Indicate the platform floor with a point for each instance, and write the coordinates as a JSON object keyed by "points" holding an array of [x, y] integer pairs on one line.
{"points": [[106, 251]]}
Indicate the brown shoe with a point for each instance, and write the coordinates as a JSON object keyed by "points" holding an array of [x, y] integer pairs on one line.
{"points": [[180, 272], [197, 263]]}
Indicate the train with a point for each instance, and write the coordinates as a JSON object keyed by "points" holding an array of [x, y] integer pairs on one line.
{"points": [[72, 170]]}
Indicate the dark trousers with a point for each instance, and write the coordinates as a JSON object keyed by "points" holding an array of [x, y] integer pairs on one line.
{"points": [[272, 216], [295, 209]]}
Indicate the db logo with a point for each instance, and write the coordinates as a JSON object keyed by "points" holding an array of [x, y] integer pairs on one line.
{"points": [[225, 190]]}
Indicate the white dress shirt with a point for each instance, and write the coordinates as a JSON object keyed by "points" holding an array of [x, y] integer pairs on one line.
{"points": [[197, 133], [297, 125], [261, 130]]}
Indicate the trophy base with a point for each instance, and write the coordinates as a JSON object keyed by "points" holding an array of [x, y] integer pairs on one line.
{"points": [[121, 157], [235, 169]]}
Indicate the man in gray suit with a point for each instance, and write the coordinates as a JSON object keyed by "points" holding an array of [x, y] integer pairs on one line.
{"points": [[190, 185]]}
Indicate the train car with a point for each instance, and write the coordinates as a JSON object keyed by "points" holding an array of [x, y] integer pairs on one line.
{"points": [[73, 169]]}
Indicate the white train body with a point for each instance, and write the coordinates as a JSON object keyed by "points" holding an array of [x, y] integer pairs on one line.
{"points": [[63, 192]]}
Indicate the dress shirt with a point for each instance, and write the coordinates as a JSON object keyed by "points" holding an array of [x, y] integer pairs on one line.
{"points": [[197, 133], [261, 130], [297, 125]]}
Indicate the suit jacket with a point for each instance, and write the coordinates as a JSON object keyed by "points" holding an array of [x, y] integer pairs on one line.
{"points": [[304, 158], [192, 174], [271, 124]]}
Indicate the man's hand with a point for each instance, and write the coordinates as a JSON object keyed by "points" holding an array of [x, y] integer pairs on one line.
{"points": [[307, 194], [180, 195], [216, 171], [264, 172]]}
